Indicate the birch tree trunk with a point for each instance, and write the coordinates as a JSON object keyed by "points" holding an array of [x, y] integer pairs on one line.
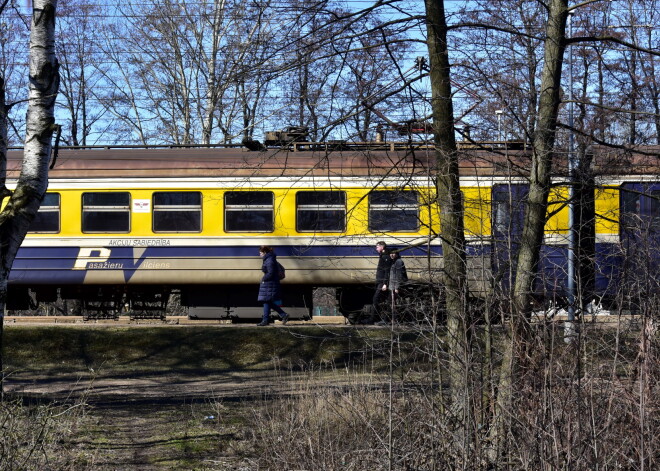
{"points": [[450, 201], [24, 203]]}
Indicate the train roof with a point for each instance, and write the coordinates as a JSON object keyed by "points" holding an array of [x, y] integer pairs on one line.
{"points": [[347, 161], [219, 162]]}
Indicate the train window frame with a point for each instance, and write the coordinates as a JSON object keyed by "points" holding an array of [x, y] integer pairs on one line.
{"points": [[46, 208], [184, 209], [508, 207], [106, 208], [394, 210], [654, 209], [248, 210], [320, 207], [639, 207]]}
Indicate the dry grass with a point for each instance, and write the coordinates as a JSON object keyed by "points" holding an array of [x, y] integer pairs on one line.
{"points": [[39, 437], [322, 399], [582, 406]]}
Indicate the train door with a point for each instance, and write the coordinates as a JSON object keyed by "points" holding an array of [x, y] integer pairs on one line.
{"points": [[640, 239], [508, 213]]}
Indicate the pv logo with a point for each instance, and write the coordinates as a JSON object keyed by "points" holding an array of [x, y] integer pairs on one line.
{"points": [[91, 254], [125, 259]]}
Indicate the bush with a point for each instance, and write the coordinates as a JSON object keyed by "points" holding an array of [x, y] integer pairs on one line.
{"points": [[39, 437]]}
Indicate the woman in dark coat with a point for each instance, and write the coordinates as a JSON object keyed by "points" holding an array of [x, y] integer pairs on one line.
{"points": [[270, 291], [398, 277], [398, 274]]}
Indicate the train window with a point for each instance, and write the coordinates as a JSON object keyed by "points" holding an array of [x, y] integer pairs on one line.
{"points": [[106, 212], [48, 217], [640, 207], [654, 210], [249, 211], [393, 211], [177, 211], [630, 209], [320, 211], [508, 206]]}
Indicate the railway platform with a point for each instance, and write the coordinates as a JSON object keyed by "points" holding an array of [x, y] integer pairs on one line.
{"points": [[169, 320]]}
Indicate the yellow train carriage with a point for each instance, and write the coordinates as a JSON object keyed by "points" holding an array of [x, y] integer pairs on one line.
{"points": [[139, 223]]}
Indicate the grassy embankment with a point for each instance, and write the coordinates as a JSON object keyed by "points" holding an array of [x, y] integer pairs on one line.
{"points": [[142, 397], [73, 348], [356, 398]]}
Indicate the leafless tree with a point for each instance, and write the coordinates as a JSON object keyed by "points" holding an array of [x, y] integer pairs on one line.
{"points": [[341, 64], [179, 67], [634, 74], [501, 66], [449, 200], [13, 37], [79, 70]]}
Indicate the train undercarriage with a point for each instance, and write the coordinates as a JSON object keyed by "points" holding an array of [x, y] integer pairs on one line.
{"points": [[237, 303]]}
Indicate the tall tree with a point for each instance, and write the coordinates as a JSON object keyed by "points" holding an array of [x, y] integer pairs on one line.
{"points": [[636, 23], [449, 200], [78, 25], [499, 51], [336, 64], [543, 151], [32, 183], [181, 68], [536, 207], [14, 35]]}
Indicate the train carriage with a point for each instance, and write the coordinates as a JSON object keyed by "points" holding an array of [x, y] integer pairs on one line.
{"points": [[127, 226]]}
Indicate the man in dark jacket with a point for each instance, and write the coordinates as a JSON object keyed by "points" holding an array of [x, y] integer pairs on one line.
{"points": [[382, 280], [270, 291]]}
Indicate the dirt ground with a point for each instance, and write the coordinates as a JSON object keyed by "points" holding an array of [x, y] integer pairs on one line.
{"points": [[189, 421], [171, 397], [157, 398]]}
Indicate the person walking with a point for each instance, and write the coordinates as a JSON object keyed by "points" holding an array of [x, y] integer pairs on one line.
{"points": [[382, 280], [398, 276], [270, 290]]}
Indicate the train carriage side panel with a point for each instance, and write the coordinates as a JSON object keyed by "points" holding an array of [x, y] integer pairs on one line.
{"points": [[607, 257], [640, 241], [142, 257]]}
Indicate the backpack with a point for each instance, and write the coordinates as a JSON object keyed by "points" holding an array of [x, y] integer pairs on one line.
{"points": [[281, 271]]}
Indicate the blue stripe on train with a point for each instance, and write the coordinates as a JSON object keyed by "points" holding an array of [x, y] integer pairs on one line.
{"points": [[30, 258], [47, 265], [26, 254]]}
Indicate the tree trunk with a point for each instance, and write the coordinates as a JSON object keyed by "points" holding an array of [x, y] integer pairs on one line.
{"points": [[24, 203], [5, 193], [535, 216], [3, 142], [542, 157], [450, 201]]}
